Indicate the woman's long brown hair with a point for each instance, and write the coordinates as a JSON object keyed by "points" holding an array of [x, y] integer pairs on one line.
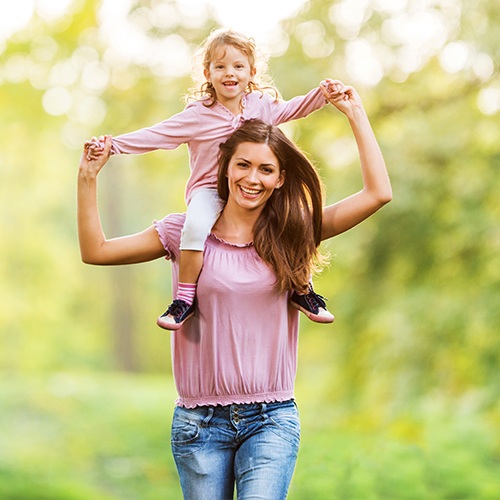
{"points": [[288, 231]]}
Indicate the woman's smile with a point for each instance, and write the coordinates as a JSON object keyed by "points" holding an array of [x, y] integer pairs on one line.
{"points": [[249, 192], [253, 175]]}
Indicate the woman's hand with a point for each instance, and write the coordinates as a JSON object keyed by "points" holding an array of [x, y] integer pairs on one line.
{"points": [[343, 97], [90, 165], [95, 147]]}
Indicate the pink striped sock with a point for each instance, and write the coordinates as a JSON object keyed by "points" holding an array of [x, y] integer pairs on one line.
{"points": [[186, 292]]}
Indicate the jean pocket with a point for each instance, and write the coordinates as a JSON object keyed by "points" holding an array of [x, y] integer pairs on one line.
{"points": [[188, 434], [286, 424], [184, 432]]}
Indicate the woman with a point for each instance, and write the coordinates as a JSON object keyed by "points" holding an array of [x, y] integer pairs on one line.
{"points": [[234, 362]]}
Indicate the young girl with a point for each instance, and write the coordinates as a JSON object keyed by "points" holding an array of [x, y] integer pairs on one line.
{"points": [[229, 96]]}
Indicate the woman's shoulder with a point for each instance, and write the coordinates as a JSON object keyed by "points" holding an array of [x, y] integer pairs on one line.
{"points": [[169, 231], [173, 219]]}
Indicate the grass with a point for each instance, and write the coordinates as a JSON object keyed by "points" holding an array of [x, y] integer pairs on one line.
{"points": [[97, 437], [106, 437]]}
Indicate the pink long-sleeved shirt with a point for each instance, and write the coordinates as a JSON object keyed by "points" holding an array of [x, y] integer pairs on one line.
{"points": [[203, 129]]}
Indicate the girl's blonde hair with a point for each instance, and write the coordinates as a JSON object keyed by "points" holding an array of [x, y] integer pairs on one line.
{"points": [[210, 49]]}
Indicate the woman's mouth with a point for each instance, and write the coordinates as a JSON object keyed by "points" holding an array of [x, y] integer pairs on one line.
{"points": [[248, 192]]}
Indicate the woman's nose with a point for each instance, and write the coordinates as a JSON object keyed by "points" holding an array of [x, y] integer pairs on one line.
{"points": [[253, 175]]}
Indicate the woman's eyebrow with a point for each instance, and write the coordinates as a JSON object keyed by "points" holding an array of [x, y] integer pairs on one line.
{"points": [[240, 158]]}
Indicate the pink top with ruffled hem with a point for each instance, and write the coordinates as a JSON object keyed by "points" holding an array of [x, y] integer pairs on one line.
{"points": [[241, 344]]}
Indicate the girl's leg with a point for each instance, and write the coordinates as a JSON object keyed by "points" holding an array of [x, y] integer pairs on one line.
{"points": [[203, 211], [190, 264]]}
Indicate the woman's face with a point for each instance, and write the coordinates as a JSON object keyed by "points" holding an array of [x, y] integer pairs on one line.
{"points": [[253, 174]]}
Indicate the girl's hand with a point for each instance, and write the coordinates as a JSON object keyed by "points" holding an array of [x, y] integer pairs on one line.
{"points": [[343, 97], [90, 165], [94, 147]]}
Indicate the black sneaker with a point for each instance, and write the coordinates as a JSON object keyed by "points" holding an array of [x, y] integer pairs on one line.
{"points": [[312, 305], [178, 312]]}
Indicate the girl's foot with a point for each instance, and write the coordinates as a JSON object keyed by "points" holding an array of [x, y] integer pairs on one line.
{"points": [[178, 312], [312, 305]]}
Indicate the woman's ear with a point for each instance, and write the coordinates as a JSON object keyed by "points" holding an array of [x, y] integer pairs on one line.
{"points": [[281, 180]]}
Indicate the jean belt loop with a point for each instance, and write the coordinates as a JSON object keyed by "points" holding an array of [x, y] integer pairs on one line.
{"points": [[263, 408], [209, 416]]}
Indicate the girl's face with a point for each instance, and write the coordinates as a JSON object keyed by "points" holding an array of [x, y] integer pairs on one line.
{"points": [[253, 174], [230, 74]]}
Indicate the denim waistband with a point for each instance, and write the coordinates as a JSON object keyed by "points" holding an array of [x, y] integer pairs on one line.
{"points": [[245, 408]]}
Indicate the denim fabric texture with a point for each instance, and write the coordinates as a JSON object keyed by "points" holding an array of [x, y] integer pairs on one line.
{"points": [[252, 447]]}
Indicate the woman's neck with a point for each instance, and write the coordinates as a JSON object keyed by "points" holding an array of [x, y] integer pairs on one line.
{"points": [[235, 225]]}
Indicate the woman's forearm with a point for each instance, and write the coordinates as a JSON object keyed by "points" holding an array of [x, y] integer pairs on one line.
{"points": [[90, 234], [376, 191], [376, 181]]}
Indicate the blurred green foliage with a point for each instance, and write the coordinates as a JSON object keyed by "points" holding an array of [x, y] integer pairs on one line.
{"points": [[405, 382], [75, 437]]}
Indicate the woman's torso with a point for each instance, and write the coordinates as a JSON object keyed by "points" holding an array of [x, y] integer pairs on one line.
{"points": [[241, 344]]}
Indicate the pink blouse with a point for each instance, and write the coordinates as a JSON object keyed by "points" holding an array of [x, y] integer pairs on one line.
{"points": [[203, 129], [241, 344]]}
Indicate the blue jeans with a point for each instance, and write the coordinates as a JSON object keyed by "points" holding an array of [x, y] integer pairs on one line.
{"points": [[252, 446]]}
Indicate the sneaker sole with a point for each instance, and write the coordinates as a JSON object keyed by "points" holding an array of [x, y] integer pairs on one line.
{"points": [[311, 316], [172, 327]]}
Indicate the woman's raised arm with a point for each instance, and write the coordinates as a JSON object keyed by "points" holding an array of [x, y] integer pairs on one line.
{"points": [[94, 247], [376, 192]]}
